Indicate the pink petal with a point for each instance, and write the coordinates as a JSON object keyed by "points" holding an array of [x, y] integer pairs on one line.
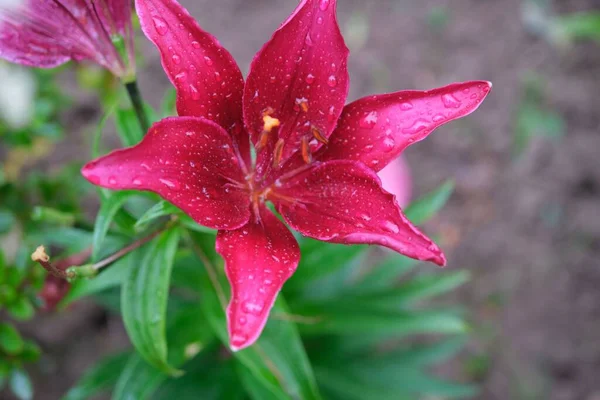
{"points": [[43, 33], [376, 129], [259, 258], [300, 74], [188, 161], [208, 81], [396, 179], [343, 202]]}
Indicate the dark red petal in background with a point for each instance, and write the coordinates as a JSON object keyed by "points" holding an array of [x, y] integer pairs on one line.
{"points": [[189, 162], [259, 258], [343, 202], [301, 74], [376, 129], [208, 81]]}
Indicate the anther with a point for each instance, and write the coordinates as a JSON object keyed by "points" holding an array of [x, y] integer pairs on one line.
{"points": [[318, 135], [306, 155], [303, 104], [269, 123], [278, 153]]}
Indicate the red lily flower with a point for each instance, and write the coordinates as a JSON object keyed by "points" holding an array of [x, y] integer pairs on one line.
{"points": [[316, 160], [48, 33]]}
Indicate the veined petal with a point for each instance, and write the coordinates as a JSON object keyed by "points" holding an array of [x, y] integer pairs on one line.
{"points": [[208, 81], [343, 202], [376, 129], [300, 77], [259, 257], [186, 160], [46, 33]]}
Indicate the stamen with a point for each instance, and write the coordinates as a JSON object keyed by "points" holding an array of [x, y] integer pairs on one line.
{"points": [[306, 154], [303, 104], [269, 123], [278, 153], [318, 134], [262, 140]]}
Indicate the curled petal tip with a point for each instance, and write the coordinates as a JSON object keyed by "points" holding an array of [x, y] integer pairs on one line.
{"points": [[89, 172]]}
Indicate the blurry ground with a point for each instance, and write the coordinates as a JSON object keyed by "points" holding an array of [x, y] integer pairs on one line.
{"points": [[527, 228]]}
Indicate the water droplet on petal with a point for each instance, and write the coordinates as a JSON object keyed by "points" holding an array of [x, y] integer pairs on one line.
{"points": [[320, 20], [176, 59], [369, 120], [194, 92], [137, 181], [208, 61], [171, 184], [238, 339], [323, 5], [190, 133], [308, 40], [243, 321], [112, 180], [180, 77], [160, 25], [310, 78], [406, 106], [332, 81], [195, 45], [218, 77], [417, 126], [391, 227], [252, 307], [388, 144], [365, 217], [438, 118], [450, 101], [145, 166]]}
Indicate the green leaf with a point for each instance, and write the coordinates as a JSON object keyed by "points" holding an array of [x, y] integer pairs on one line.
{"points": [[585, 25], [163, 209], [144, 299], [20, 384], [128, 126], [424, 208], [351, 316], [10, 340], [188, 335], [105, 217], [100, 378], [278, 361], [415, 289], [21, 309], [319, 260], [7, 220], [384, 274]]}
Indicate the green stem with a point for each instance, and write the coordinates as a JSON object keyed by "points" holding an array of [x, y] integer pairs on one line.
{"points": [[138, 105]]}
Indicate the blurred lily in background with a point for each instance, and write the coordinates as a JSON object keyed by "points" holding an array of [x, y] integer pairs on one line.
{"points": [[396, 178], [48, 33]]}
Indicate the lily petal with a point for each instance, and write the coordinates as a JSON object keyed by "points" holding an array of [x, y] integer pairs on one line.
{"points": [[396, 179], [186, 160], [376, 129], [259, 258], [208, 81], [343, 202], [42, 33], [301, 76]]}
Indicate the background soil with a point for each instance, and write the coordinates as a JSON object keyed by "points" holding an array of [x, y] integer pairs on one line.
{"points": [[528, 228]]}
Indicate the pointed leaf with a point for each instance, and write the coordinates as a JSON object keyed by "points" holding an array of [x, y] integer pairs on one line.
{"points": [[424, 208], [101, 377], [105, 217], [144, 299]]}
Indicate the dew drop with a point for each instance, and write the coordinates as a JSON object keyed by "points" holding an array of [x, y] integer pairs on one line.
{"points": [[450, 101], [208, 61], [406, 106], [238, 338], [112, 180], [194, 92], [369, 121], [332, 81], [137, 181], [242, 321], [417, 126], [388, 144], [176, 59], [218, 77], [160, 25], [323, 5], [145, 166], [180, 77], [391, 227], [365, 217], [195, 44], [438, 118], [252, 307], [310, 78], [174, 185], [190, 133], [320, 20], [308, 40]]}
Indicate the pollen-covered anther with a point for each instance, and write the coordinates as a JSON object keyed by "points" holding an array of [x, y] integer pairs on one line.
{"points": [[318, 135], [278, 153], [305, 147], [303, 104], [270, 123]]}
